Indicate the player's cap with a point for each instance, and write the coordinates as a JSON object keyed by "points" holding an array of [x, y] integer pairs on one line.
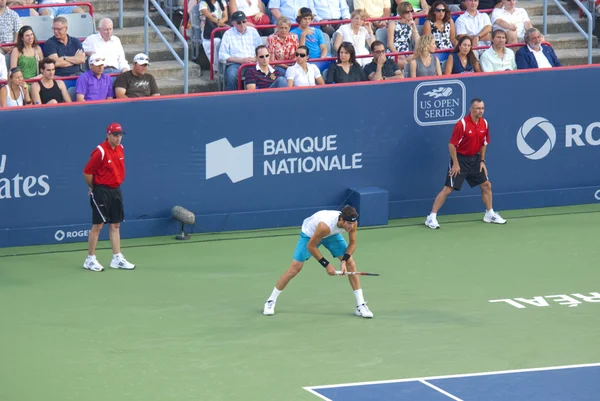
{"points": [[238, 16], [114, 128], [96, 59], [141, 59]]}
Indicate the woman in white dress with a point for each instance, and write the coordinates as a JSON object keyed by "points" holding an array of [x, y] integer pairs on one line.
{"points": [[359, 34]]}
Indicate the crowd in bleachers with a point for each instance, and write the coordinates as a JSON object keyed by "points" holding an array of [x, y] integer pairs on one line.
{"points": [[62, 68]]}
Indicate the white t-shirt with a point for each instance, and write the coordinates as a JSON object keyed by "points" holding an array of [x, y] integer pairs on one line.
{"points": [[302, 78], [518, 17], [329, 217], [466, 24], [3, 71], [248, 9]]}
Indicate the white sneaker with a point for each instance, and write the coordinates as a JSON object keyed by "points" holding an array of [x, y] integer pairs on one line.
{"points": [[121, 263], [432, 222], [269, 308], [93, 265], [363, 311], [493, 218]]}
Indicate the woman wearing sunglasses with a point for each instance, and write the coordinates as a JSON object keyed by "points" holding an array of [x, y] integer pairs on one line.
{"points": [[303, 73], [401, 32], [439, 23], [15, 93]]}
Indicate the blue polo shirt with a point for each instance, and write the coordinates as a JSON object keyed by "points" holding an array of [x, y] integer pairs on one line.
{"points": [[93, 88], [53, 46], [313, 42]]}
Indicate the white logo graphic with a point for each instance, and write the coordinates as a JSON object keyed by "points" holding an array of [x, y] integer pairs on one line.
{"points": [[543, 151], [222, 158], [597, 195], [21, 185], [59, 235], [439, 92]]}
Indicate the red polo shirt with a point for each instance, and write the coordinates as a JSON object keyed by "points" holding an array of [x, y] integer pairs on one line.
{"points": [[107, 165], [468, 137]]}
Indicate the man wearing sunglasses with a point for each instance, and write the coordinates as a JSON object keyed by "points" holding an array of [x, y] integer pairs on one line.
{"points": [[136, 82], [263, 76], [238, 47], [104, 173]]}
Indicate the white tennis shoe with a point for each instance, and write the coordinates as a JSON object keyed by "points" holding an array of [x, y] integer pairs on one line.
{"points": [[432, 222], [363, 311], [269, 308], [119, 262], [93, 264], [493, 218]]}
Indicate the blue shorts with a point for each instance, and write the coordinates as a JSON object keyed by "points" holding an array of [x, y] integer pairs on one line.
{"points": [[336, 244], [56, 11]]}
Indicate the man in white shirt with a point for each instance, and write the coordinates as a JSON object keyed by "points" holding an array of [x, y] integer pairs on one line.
{"points": [[535, 54], [105, 43], [498, 57], [238, 47], [474, 24], [514, 21], [331, 10]]}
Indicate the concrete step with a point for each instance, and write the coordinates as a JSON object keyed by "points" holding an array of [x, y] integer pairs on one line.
{"points": [[135, 35], [558, 23], [112, 5], [174, 86], [569, 40], [131, 18], [577, 56], [536, 7], [171, 68], [157, 51]]}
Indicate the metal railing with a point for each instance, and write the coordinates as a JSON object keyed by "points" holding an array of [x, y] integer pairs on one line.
{"points": [[590, 22], [74, 4], [148, 21], [120, 14]]}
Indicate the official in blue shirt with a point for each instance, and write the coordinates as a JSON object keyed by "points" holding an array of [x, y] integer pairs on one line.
{"points": [[535, 54]]}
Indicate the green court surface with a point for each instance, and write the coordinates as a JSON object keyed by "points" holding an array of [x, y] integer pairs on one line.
{"points": [[187, 323]]}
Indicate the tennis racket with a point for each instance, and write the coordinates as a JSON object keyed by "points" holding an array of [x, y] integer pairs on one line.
{"points": [[339, 273]]}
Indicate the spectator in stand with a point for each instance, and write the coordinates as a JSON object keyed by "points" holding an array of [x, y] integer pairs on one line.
{"points": [[382, 67], [462, 60], [475, 24], [255, 12], [282, 44], [27, 54], [16, 92], [400, 33], [346, 68], [359, 34], [303, 73], [136, 82], [535, 54], [238, 46], [263, 76], [59, 10], [109, 46], [3, 71], [213, 14], [94, 84], [23, 12], [489, 4], [289, 8], [425, 63], [417, 5], [514, 21], [331, 10], [311, 37], [10, 23], [375, 9], [48, 90], [65, 50], [439, 23], [498, 57]]}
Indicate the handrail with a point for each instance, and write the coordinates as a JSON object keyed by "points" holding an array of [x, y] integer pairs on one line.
{"points": [[120, 14], [148, 21], [394, 54], [590, 23], [79, 3], [337, 22]]}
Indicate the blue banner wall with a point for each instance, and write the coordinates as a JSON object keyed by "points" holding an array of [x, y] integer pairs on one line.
{"points": [[269, 159]]}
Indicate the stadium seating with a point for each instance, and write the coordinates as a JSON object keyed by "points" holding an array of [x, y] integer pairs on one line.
{"points": [[196, 38], [80, 25], [42, 26]]}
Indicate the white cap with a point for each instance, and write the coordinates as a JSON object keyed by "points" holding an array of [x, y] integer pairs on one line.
{"points": [[141, 59], [96, 59]]}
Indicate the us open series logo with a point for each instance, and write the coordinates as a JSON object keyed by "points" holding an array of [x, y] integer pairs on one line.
{"points": [[440, 102]]}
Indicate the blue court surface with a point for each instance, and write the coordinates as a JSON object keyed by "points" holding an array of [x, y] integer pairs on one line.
{"points": [[561, 383]]}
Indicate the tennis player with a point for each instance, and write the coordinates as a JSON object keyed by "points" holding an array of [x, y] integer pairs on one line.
{"points": [[325, 228]]}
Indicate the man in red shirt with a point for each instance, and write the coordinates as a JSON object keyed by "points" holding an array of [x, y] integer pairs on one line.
{"points": [[104, 174], [467, 150]]}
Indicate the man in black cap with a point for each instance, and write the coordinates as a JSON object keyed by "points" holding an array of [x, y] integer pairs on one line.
{"points": [[325, 228], [237, 48]]}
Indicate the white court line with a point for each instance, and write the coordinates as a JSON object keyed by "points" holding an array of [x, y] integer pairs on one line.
{"points": [[447, 394], [321, 396], [501, 372]]}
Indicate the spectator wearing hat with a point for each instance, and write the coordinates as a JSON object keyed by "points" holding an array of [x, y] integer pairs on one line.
{"points": [[94, 84], [107, 44], [136, 82], [237, 47], [10, 23], [48, 90], [66, 51]]}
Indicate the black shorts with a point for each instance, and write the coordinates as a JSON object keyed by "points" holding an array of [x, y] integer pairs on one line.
{"points": [[107, 205], [469, 170]]}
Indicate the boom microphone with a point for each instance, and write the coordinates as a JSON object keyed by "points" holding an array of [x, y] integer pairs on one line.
{"points": [[184, 216]]}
